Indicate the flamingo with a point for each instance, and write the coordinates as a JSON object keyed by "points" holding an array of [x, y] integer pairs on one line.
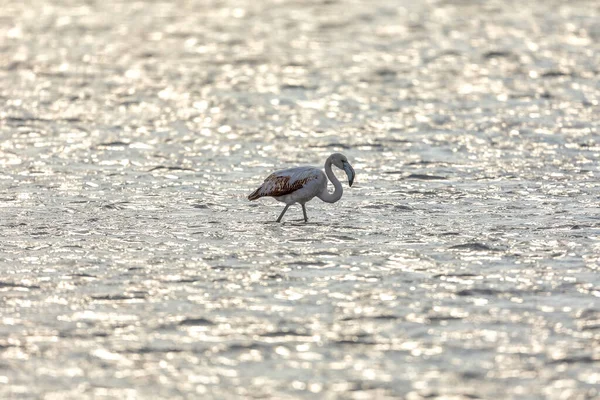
{"points": [[302, 184]]}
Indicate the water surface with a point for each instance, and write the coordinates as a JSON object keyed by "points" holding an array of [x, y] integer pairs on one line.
{"points": [[462, 264]]}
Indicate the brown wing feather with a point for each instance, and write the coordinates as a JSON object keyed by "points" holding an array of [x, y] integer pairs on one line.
{"points": [[278, 185]]}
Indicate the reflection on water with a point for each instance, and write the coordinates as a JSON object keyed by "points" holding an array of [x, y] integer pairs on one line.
{"points": [[462, 264]]}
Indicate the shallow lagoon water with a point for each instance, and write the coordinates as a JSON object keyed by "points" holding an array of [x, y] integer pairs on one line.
{"points": [[463, 263]]}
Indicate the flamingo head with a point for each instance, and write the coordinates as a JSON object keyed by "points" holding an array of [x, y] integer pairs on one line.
{"points": [[341, 161]]}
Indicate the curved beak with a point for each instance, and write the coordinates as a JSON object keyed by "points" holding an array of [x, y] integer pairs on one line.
{"points": [[350, 172]]}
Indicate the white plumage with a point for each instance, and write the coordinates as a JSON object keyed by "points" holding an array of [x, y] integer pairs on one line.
{"points": [[302, 184]]}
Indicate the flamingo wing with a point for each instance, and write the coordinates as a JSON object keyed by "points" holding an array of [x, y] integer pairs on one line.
{"points": [[285, 182]]}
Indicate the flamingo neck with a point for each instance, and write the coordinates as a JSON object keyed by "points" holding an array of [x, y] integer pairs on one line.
{"points": [[337, 192]]}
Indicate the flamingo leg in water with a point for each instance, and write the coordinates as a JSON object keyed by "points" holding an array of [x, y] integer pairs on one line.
{"points": [[283, 212], [304, 212]]}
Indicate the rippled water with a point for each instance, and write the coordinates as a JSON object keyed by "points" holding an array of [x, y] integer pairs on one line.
{"points": [[463, 263]]}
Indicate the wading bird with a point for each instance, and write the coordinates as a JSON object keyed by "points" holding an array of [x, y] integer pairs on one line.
{"points": [[302, 184]]}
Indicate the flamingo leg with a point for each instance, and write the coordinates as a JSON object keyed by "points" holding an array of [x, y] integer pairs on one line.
{"points": [[304, 212], [283, 212]]}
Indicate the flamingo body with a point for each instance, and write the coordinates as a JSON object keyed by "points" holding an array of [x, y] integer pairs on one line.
{"points": [[302, 184], [293, 185]]}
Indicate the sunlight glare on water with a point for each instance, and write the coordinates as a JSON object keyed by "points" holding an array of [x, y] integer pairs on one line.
{"points": [[462, 263]]}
